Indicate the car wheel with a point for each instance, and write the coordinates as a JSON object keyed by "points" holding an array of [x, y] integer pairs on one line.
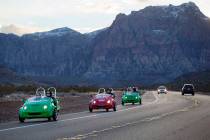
{"points": [[90, 109], [133, 103], [182, 94], [114, 108], [123, 103], [107, 110], [55, 116], [158, 92], [193, 94], [49, 118], [140, 102], [21, 119]]}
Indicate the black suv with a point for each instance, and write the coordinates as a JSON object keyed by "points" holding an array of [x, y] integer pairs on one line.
{"points": [[188, 89]]}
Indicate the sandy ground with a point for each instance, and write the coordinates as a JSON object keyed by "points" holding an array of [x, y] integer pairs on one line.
{"points": [[70, 103]]}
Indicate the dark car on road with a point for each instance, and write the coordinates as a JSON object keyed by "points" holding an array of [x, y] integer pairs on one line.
{"points": [[188, 89]]}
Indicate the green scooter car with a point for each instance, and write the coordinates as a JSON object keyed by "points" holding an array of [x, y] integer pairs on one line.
{"points": [[40, 106], [131, 95]]}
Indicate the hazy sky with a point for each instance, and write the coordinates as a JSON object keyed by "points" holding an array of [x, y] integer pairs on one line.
{"points": [[23, 16]]}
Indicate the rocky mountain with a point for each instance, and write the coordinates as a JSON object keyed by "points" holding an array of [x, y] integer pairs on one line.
{"points": [[153, 45], [55, 54], [93, 34], [9, 77]]}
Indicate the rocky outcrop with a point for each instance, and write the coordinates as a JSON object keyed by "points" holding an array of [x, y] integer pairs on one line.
{"points": [[152, 45]]}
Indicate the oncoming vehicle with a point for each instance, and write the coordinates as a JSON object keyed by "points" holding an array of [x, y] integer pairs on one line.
{"points": [[131, 95], [102, 101], [40, 106], [162, 89], [188, 89]]}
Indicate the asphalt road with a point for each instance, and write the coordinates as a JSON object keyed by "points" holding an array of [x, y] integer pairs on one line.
{"points": [[160, 117]]}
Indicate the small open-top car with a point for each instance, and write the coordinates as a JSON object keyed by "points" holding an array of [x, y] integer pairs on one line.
{"points": [[102, 100], [41, 105], [131, 95]]}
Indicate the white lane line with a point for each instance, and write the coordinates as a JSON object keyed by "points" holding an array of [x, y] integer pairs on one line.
{"points": [[88, 116], [149, 119], [19, 127], [71, 114]]}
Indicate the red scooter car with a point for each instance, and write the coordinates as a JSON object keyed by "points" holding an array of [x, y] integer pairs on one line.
{"points": [[102, 101]]}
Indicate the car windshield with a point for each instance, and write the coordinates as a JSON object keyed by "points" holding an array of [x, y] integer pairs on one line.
{"points": [[99, 96], [188, 86], [36, 98], [162, 87]]}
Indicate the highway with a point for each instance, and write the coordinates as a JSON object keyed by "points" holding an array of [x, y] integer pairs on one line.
{"points": [[160, 117]]}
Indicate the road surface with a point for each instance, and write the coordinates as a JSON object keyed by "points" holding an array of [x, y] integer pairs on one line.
{"points": [[160, 117]]}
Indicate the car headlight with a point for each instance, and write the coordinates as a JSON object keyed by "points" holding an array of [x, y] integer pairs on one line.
{"points": [[25, 107], [125, 97], [136, 97], [108, 101], [45, 107], [94, 102]]}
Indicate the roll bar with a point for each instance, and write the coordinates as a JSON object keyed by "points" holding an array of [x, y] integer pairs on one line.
{"points": [[40, 91], [53, 90], [101, 89]]}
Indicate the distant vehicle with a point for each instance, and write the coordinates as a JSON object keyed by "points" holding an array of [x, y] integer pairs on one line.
{"points": [[188, 89], [102, 101], [40, 106], [162, 89], [131, 95]]}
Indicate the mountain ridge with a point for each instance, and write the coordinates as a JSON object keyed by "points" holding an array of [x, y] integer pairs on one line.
{"points": [[152, 45]]}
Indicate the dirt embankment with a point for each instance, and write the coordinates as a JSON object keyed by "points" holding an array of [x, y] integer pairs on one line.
{"points": [[70, 103]]}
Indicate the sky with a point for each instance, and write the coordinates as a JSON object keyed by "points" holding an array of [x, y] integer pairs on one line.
{"points": [[28, 16]]}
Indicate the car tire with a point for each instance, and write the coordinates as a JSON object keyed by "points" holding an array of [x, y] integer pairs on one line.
{"points": [[55, 116], [114, 108], [193, 94], [21, 119], [90, 109], [182, 94], [123, 103], [107, 110], [133, 103], [158, 92], [140, 102], [49, 119]]}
